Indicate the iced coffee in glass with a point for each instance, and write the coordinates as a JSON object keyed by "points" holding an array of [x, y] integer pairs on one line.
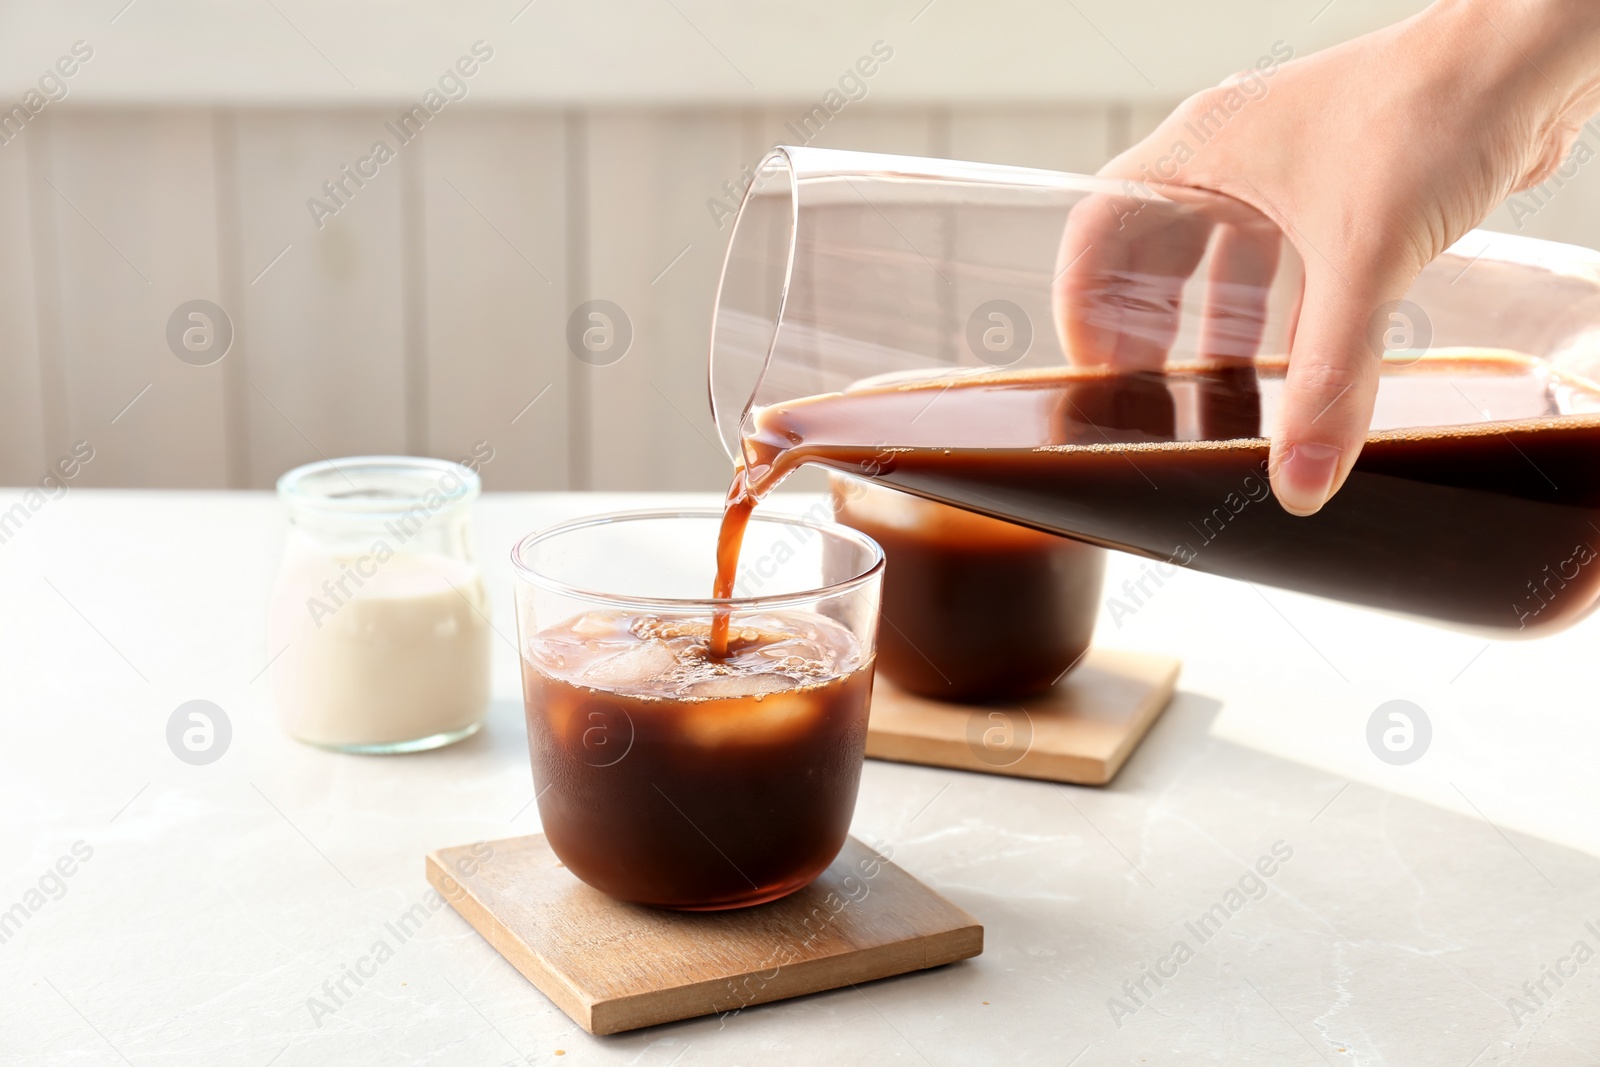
{"points": [[672, 776], [974, 609]]}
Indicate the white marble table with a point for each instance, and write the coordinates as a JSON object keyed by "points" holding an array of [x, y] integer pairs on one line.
{"points": [[216, 900]]}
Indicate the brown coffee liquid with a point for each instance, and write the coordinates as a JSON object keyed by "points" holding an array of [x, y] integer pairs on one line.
{"points": [[667, 778], [1481, 524], [730, 536], [973, 608]]}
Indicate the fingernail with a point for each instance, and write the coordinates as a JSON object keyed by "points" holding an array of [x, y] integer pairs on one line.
{"points": [[1305, 477]]}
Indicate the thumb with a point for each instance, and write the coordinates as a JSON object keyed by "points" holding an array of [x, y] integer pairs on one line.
{"points": [[1332, 380]]}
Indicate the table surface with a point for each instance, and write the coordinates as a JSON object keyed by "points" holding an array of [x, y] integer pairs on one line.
{"points": [[1406, 909]]}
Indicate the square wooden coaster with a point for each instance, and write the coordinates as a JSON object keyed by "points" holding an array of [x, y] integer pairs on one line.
{"points": [[1080, 732], [615, 966]]}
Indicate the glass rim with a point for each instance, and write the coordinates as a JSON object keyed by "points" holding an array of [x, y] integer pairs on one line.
{"points": [[292, 486], [527, 573]]}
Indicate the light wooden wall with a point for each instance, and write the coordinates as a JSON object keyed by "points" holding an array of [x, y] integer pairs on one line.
{"points": [[427, 313], [432, 309]]}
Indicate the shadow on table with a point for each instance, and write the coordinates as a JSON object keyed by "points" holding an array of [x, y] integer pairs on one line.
{"points": [[1389, 930]]}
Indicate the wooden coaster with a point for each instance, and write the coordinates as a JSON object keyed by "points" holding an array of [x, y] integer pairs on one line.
{"points": [[1081, 731], [615, 966]]}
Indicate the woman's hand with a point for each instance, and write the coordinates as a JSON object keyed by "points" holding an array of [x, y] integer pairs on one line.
{"points": [[1373, 157]]}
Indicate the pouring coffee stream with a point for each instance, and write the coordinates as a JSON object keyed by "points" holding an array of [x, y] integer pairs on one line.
{"points": [[730, 537]]}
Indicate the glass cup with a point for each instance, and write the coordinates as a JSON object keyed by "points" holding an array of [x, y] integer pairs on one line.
{"points": [[974, 608], [663, 777], [379, 618]]}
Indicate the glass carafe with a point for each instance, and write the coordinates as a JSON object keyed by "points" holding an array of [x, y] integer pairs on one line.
{"points": [[1103, 359]]}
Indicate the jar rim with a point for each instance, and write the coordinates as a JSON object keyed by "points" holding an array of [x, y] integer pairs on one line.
{"points": [[378, 486]]}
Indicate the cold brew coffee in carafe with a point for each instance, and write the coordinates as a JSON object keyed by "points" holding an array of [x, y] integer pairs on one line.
{"points": [[1487, 526], [1106, 361]]}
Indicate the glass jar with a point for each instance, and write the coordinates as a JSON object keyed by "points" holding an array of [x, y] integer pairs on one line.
{"points": [[379, 620]]}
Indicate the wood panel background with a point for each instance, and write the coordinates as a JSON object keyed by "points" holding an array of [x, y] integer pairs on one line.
{"points": [[430, 312]]}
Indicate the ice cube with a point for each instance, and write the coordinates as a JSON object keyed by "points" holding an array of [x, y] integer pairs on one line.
{"points": [[777, 717], [799, 659], [543, 650], [668, 629], [742, 635], [739, 685], [637, 667], [595, 624]]}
